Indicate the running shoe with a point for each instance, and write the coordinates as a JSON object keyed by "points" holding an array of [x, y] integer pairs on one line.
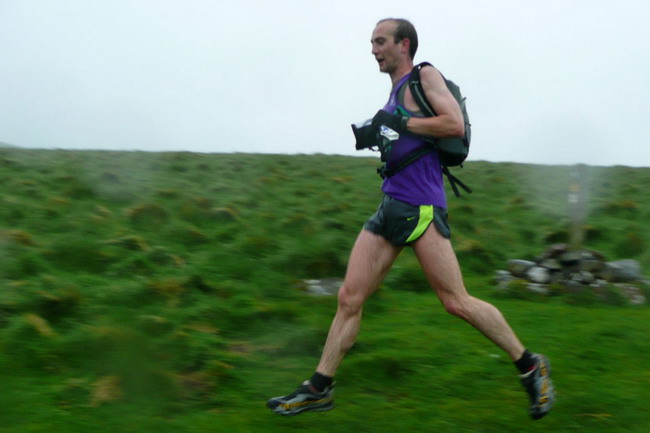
{"points": [[305, 398], [539, 386]]}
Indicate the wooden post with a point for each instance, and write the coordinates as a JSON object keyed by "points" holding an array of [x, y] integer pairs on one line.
{"points": [[577, 200]]}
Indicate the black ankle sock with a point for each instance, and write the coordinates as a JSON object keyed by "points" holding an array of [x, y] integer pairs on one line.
{"points": [[320, 381], [525, 363]]}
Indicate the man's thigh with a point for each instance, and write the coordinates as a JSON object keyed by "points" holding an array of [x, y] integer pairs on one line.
{"points": [[439, 263], [370, 260]]}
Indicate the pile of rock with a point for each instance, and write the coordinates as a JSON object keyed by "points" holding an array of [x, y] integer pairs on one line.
{"points": [[574, 271], [324, 287]]}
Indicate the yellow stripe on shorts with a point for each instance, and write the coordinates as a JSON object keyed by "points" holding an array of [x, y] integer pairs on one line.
{"points": [[426, 217]]}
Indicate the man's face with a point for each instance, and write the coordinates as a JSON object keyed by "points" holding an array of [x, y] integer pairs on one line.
{"points": [[386, 51]]}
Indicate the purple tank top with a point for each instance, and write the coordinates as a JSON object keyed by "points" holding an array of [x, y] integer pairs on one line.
{"points": [[421, 182]]}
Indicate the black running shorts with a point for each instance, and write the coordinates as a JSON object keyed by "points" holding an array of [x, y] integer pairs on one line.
{"points": [[401, 223]]}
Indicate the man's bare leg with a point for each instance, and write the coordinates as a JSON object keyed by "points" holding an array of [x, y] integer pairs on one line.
{"points": [[370, 260], [440, 265]]}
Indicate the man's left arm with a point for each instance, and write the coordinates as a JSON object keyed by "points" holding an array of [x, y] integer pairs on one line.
{"points": [[449, 119]]}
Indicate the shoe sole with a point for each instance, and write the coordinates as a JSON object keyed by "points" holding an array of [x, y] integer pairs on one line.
{"points": [[324, 408]]}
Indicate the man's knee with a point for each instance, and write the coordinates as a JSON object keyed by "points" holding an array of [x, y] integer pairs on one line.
{"points": [[459, 307], [350, 301]]}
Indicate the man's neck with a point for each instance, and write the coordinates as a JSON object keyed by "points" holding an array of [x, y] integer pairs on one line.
{"points": [[401, 71]]}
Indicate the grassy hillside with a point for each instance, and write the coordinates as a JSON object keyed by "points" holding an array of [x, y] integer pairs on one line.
{"points": [[161, 292]]}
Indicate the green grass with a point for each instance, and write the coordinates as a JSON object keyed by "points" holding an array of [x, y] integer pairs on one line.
{"points": [[158, 292]]}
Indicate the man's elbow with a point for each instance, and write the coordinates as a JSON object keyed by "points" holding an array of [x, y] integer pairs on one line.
{"points": [[454, 127], [458, 131]]}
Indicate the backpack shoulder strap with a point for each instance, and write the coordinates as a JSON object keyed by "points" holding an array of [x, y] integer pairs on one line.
{"points": [[455, 182], [385, 171], [415, 84]]}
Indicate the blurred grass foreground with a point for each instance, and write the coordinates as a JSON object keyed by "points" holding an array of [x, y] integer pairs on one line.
{"points": [[165, 292]]}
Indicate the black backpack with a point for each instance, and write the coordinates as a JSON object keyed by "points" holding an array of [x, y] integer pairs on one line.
{"points": [[452, 151]]}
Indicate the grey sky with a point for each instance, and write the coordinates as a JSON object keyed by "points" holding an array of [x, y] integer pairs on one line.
{"points": [[553, 82]]}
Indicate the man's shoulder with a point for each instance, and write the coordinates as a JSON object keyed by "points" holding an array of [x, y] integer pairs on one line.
{"points": [[430, 76], [427, 68]]}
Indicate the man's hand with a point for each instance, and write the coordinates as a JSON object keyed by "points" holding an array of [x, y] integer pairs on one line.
{"points": [[395, 122], [365, 134]]}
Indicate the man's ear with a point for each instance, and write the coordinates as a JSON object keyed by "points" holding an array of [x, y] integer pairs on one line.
{"points": [[406, 45]]}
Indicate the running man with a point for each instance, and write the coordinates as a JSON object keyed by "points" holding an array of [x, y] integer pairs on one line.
{"points": [[412, 213]]}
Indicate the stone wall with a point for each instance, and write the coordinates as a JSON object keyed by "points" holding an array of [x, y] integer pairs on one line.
{"points": [[561, 269]]}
